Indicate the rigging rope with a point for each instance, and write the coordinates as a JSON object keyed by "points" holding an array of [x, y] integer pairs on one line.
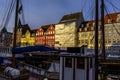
{"points": [[7, 14], [22, 12], [113, 6], [112, 23]]}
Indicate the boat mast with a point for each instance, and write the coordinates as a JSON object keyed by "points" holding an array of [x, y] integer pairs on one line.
{"points": [[15, 30], [103, 32], [96, 39]]}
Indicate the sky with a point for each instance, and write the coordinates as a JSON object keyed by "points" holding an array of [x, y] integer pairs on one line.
{"points": [[44, 12]]}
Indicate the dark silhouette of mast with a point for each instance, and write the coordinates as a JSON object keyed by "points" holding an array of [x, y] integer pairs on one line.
{"points": [[15, 30], [96, 40], [103, 32]]}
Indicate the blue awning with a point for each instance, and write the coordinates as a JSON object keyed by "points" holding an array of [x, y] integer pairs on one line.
{"points": [[36, 48]]}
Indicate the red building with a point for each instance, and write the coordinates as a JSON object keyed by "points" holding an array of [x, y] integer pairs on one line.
{"points": [[46, 35]]}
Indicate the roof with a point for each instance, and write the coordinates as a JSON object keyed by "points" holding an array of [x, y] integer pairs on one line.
{"points": [[33, 31], [45, 27], [36, 48], [87, 24], [112, 16], [4, 29], [25, 28], [71, 16]]}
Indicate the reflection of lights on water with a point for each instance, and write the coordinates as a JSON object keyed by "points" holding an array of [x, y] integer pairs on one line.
{"points": [[45, 78]]}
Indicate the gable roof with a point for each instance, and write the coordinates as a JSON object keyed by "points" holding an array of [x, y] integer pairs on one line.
{"points": [[112, 16], [72, 16], [45, 27], [25, 28], [4, 29], [33, 31]]}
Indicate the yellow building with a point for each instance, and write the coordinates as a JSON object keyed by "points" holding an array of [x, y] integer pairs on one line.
{"points": [[28, 37], [87, 34], [112, 33], [66, 31]]}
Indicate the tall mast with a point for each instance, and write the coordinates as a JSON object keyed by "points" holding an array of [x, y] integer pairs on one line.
{"points": [[96, 40], [103, 32], [15, 30]]}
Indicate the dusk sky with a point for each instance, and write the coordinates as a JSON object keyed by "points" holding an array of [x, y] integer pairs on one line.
{"points": [[43, 12]]}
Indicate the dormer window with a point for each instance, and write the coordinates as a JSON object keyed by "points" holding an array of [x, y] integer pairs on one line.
{"points": [[118, 18], [93, 24], [85, 29], [82, 25], [80, 29], [92, 28], [87, 25], [110, 20]]}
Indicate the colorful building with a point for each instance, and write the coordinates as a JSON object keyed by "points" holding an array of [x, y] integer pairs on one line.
{"points": [[86, 34], [46, 35], [28, 36], [18, 36], [112, 33], [39, 39]]}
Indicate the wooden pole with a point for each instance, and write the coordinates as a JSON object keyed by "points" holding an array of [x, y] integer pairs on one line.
{"points": [[15, 30], [103, 39], [63, 63], [96, 40], [74, 68], [87, 62], [103, 32]]}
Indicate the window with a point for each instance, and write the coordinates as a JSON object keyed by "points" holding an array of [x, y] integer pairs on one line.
{"points": [[80, 63], [56, 42], [82, 41], [80, 29], [93, 24], [109, 41], [86, 41], [85, 29], [110, 21], [92, 28], [53, 32], [118, 18], [68, 62], [91, 62]]}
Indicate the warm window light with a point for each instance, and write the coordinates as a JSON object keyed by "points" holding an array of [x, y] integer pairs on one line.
{"points": [[45, 78]]}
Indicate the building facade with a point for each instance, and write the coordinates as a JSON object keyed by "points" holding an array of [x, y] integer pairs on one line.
{"points": [[5, 42], [112, 33], [66, 31], [5, 37], [28, 37], [46, 35], [39, 39], [87, 34]]}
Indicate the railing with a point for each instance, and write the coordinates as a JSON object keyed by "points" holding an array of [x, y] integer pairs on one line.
{"points": [[39, 71]]}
